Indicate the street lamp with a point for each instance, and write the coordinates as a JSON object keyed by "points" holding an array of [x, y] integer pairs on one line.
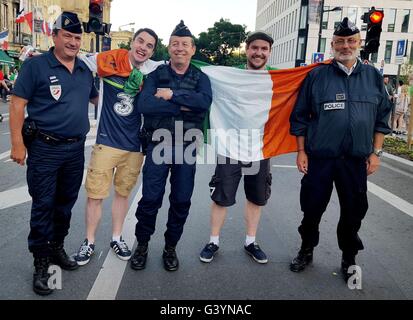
{"points": [[128, 24], [321, 22]]}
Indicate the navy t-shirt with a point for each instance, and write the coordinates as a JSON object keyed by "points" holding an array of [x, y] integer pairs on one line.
{"points": [[120, 120], [58, 101]]}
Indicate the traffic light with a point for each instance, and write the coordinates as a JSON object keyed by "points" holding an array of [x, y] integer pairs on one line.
{"points": [[95, 23], [374, 20]]}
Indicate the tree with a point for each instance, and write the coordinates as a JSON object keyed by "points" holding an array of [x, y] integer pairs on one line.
{"points": [[221, 42]]}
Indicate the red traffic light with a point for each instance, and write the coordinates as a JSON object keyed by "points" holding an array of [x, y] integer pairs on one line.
{"points": [[376, 16], [96, 6]]}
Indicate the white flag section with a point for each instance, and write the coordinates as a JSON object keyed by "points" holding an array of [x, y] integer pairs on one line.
{"points": [[239, 112]]}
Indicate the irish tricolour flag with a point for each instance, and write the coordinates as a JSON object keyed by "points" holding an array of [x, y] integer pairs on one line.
{"points": [[249, 116]]}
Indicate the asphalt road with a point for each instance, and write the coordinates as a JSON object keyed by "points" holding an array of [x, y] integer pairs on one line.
{"points": [[386, 263]]}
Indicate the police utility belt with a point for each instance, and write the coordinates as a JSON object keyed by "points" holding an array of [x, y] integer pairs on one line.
{"points": [[31, 132]]}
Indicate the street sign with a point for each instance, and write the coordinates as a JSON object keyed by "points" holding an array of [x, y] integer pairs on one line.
{"points": [[303, 64], [318, 57], [401, 51]]}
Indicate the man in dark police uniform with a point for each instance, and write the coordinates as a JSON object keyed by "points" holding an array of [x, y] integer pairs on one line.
{"points": [[57, 88], [340, 120]]}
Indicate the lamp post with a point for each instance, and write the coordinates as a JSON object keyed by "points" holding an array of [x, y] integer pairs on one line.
{"points": [[321, 22], [125, 25]]}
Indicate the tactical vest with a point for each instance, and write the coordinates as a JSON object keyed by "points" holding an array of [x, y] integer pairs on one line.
{"points": [[191, 120]]}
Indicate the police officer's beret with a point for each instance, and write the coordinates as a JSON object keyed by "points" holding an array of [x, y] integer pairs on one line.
{"points": [[346, 28], [68, 21], [181, 30], [259, 35]]}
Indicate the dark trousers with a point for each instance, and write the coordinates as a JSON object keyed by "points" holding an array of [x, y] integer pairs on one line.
{"points": [[54, 177], [350, 178], [154, 181]]}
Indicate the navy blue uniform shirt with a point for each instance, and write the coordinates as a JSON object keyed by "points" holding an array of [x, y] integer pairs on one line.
{"points": [[57, 99]]}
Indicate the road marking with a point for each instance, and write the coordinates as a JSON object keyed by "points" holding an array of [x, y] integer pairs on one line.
{"points": [[401, 160], [6, 133], [14, 197], [108, 281], [5, 155], [385, 165], [392, 199], [283, 166]]}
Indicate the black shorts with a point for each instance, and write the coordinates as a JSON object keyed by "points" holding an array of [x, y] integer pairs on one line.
{"points": [[225, 181]]}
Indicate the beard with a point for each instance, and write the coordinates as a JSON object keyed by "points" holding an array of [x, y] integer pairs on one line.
{"points": [[346, 58], [253, 66]]}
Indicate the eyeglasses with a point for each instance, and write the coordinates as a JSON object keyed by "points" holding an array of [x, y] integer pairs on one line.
{"points": [[341, 42]]}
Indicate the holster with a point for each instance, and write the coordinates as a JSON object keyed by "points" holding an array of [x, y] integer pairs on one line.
{"points": [[29, 132]]}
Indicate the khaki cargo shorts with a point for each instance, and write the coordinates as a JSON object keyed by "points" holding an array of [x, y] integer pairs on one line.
{"points": [[106, 162]]}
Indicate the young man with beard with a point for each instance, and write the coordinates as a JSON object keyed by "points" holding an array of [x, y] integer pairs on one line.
{"points": [[340, 120], [228, 173]]}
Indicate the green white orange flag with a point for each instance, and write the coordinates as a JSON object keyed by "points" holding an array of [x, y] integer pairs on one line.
{"points": [[249, 118]]}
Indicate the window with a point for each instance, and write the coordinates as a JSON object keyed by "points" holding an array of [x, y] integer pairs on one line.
{"points": [[325, 18], [388, 52], [301, 49], [303, 17], [337, 18], [390, 19], [406, 18], [374, 57], [323, 45], [352, 15]]}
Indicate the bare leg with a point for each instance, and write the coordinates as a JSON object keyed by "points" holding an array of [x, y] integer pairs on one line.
{"points": [[252, 218], [218, 215], [119, 210], [93, 216]]}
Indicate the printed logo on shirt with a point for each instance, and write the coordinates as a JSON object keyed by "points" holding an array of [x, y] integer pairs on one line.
{"points": [[56, 91], [334, 106], [125, 107]]}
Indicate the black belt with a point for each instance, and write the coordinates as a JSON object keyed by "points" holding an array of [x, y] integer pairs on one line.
{"points": [[53, 140]]}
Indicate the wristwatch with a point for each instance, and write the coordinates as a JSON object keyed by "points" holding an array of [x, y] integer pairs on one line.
{"points": [[378, 152]]}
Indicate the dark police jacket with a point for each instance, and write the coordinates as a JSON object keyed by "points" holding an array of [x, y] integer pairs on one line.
{"points": [[339, 114], [191, 91]]}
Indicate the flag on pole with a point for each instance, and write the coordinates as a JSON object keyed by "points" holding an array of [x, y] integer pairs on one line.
{"points": [[249, 117], [23, 9], [47, 28], [4, 40]]}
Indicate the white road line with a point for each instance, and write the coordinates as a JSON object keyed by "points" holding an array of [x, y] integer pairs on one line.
{"points": [[283, 166], [385, 165], [401, 160], [14, 197], [108, 281], [4, 155], [392, 199], [6, 133]]}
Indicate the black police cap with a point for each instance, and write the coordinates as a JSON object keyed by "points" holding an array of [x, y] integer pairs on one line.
{"points": [[346, 28], [68, 21], [181, 30], [259, 35]]}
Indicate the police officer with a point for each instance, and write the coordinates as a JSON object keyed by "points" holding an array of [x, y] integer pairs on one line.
{"points": [[340, 119], [57, 88], [174, 99]]}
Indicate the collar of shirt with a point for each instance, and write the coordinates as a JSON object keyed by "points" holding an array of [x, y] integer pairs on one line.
{"points": [[54, 62], [347, 70]]}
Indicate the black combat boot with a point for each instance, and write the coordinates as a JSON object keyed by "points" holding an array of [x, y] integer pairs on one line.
{"points": [[138, 260], [60, 258], [300, 262], [347, 261], [41, 277], [170, 259]]}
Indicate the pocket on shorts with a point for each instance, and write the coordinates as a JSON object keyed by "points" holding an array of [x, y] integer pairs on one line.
{"points": [[125, 180], [98, 183]]}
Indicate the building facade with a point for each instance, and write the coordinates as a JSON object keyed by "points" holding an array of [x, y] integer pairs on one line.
{"points": [[295, 26], [20, 34], [121, 37]]}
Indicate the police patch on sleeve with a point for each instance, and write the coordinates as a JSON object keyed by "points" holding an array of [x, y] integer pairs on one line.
{"points": [[334, 106]]}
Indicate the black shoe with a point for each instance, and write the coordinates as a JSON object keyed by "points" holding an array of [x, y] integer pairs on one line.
{"points": [[346, 263], [138, 260], [302, 260], [170, 259], [41, 276], [60, 257], [1, 118]]}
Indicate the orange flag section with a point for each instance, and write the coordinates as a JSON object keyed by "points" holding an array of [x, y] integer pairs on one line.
{"points": [[114, 62], [286, 86]]}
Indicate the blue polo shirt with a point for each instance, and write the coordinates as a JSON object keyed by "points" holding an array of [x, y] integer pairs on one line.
{"points": [[58, 101]]}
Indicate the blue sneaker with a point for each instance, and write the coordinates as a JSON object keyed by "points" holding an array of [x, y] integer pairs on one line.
{"points": [[207, 254], [86, 250], [121, 249], [256, 253]]}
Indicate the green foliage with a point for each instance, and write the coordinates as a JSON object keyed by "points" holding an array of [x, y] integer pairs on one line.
{"points": [[124, 45], [397, 147], [220, 44]]}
